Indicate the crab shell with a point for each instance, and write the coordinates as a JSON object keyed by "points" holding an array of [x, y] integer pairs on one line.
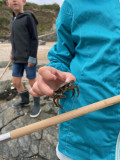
{"points": [[63, 87]]}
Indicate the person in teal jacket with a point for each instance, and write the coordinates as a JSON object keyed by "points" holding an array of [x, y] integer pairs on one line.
{"points": [[88, 51]]}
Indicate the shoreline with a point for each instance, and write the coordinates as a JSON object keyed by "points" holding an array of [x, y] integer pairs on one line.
{"points": [[5, 49]]}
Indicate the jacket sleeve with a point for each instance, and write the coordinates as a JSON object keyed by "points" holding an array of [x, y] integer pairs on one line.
{"points": [[10, 27], [34, 39], [62, 52]]}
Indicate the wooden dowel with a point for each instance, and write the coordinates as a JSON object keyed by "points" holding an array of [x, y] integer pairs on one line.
{"points": [[5, 69], [64, 117]]}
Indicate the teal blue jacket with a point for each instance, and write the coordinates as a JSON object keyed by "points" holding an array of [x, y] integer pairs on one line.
{"points": [[88, 46]]}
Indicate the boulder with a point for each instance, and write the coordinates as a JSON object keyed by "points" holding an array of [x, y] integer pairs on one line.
{"points": [[40, 42], [7, 90], [3, 64], [40, 145]]}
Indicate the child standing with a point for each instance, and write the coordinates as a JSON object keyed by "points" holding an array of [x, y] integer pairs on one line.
{"points": [[88, 51], [24, 40]]}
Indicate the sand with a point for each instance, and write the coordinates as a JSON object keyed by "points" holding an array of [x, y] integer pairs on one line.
{"points": [[5, 49]]}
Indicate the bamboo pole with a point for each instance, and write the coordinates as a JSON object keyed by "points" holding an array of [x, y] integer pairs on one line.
{"points": [[20, 132], [5, 69]]}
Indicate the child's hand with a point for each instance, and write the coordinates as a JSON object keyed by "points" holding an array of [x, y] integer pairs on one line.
{"points": [[11, 57], [49, 79], [30, 64]]}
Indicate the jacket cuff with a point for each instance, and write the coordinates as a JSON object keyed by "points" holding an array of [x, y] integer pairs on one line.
{"points": [[32, 60]]}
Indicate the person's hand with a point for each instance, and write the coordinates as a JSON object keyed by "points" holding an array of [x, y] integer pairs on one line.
{"points": [[49, 79], [30, 64], [11, 57]]}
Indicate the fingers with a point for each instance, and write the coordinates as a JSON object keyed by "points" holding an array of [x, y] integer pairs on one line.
{"points": [[47, 73], [46, 83], [65, 76], [42, 87], [35, 91], [30, 65], [10, 56], [70, 77], [49, 79], [50, 73]]}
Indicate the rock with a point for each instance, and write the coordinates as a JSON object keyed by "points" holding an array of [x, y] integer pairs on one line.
{"points": [[40, 145], [40, 42], [7, 41], [7, 90], [3, 64], [2, 40], [47, 151], [4, 86], [51, 37]]}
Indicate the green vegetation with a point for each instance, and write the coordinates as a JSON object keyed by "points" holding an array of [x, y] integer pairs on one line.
{"points": [[41, 29], [2, 1], [4, 21], [50, 7], [45, 14]]}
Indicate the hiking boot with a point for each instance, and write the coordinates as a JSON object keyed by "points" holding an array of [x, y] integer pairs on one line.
{"points": [[36, 110], [24, 99]]}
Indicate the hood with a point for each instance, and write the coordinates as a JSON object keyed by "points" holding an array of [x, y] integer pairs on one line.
{"points": [[26, 14]]}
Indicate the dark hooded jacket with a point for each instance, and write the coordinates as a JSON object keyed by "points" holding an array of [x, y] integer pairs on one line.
{"points": [[24, 38]]}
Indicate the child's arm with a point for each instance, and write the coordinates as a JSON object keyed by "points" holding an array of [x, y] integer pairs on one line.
{"points": [[11, 55], [31, 25]]}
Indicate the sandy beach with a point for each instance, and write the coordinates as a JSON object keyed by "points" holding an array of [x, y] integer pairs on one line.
{"points": [[5, 49]]}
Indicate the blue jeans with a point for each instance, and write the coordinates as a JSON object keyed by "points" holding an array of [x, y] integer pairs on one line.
{"points": [[18, 70]]}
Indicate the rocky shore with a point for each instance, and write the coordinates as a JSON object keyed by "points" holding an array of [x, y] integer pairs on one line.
{"points": [[39, 145]]}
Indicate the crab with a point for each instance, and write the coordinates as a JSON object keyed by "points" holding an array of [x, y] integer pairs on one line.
{"points": [[58, 92]]}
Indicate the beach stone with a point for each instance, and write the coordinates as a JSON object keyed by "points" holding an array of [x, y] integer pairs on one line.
{"points": [[7, 90], [40, 145]]}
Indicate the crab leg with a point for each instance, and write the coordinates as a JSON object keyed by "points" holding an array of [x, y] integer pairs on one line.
{"points": [[57, 103], [73, 88]]}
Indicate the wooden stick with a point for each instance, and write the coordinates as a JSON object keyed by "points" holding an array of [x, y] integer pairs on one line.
{"points": [[5, 69], [63, 117]]}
